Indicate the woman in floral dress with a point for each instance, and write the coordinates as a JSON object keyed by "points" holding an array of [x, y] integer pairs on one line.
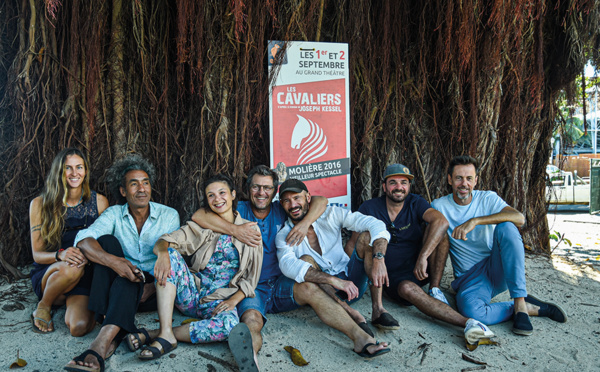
{"points": [[204, 274]]}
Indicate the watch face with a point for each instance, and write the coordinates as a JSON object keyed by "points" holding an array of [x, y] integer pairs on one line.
{"points": [[378, 255]]}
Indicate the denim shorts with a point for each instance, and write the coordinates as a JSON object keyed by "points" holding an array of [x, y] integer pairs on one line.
{"points": [[355, 272], [272, 296]]}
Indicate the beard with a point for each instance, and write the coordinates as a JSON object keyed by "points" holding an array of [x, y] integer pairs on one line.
{"points": [[463, 196], [299, 217], [396, 197]]}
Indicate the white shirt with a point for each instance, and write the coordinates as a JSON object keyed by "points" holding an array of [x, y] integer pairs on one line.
{"points": [[328, 229]]}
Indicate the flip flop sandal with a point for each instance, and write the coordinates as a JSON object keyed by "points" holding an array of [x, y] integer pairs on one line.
{"points": [[147, 339], [240, 344], [80, 358], [48, 322], [365, 351], [167, 347]]}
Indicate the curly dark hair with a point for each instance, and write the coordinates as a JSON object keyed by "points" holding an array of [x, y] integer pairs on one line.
{"points": [[262, 170], [115, 177], [218, 178]]}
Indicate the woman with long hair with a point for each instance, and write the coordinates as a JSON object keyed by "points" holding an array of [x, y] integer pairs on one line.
{"points": [[60, 274], [222, 271]]}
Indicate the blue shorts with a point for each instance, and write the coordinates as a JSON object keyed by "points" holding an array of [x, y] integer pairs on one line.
{"points": [[271, 296], [355, 272], [81, 288]]}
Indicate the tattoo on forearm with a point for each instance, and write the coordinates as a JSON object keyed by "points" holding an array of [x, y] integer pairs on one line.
{"points": [[36, 228]]}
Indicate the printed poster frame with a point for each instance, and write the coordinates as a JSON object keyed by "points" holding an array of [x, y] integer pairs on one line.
{"points": [[309, 115]]}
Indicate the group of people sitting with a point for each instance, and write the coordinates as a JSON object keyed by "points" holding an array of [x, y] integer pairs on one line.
{"points": [[237, 261]]}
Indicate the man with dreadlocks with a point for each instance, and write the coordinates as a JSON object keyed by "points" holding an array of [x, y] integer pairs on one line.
{"points": [[120, 244]]}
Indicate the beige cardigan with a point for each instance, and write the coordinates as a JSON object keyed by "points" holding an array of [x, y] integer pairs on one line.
{"points": [[197, 245]]}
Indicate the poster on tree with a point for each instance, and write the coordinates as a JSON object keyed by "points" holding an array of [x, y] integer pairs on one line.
{"points": [[309, 116]]}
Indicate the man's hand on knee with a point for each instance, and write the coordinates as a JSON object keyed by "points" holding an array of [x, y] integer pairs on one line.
{"points": [[379, 275], [127, 270], [348, 287], [420, 270]]}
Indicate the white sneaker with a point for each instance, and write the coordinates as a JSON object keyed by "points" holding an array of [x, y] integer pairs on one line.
{"points": [[436, 293], [475, 331]]}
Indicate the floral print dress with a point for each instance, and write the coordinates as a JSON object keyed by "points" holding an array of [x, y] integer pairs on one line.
{"points": [[222, 266]]}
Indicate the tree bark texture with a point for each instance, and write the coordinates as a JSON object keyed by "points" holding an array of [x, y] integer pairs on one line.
{"points": [[185, 84]]}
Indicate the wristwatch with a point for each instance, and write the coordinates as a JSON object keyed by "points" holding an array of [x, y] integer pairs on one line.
{"points": [[379, 256]]}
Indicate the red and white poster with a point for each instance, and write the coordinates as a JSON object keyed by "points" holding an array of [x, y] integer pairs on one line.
{"points": [[309, 108]]}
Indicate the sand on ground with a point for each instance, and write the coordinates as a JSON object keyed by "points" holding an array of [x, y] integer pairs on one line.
{"points": [[421, 344]]}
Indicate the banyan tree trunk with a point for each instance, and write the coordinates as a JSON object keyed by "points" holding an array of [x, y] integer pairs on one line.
{"points": [[185, 83], [117, 80]]}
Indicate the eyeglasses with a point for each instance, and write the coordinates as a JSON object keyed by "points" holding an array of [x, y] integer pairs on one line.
{"points": [[267, 188]]}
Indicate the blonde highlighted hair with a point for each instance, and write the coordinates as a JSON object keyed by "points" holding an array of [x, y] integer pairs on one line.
{"points": [[54, 197]]}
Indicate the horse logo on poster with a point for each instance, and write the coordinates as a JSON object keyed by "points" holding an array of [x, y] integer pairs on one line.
{"points": [[309, 138]]}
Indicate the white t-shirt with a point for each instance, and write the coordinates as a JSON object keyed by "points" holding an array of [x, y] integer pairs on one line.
{"points": [[466, 253]]}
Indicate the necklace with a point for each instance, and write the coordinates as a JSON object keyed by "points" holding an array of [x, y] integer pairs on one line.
{"points": [[76, 204]]}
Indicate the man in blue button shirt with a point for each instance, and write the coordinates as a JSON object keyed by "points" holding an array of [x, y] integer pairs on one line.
{"points": [[120, 244], [275, 292]]}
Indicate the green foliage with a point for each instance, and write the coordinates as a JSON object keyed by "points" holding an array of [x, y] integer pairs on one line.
{"points": [[559, 238], [569, 129]]}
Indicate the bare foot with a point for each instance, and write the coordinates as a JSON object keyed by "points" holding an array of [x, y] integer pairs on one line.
{"points": [[101, 346], [90, 361], [42, 319]]}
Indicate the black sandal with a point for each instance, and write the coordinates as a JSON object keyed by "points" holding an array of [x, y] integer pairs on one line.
{"points": [[167, 347], [80, 358], [136, 335], [364, 353]]}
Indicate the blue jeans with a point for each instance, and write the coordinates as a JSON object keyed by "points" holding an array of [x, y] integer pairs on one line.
{"points": [[275, 295], [504, 268]]}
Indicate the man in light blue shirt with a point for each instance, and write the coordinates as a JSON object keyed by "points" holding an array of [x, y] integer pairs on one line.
{"points": [[487, 253], [137, 247], [120, 245]]}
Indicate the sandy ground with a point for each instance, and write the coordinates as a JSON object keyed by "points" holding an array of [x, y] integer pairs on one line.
{"points": [[570, 277]]}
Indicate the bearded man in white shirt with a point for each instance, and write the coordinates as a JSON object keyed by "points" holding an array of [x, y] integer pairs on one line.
{"points": [[321, 258]]}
